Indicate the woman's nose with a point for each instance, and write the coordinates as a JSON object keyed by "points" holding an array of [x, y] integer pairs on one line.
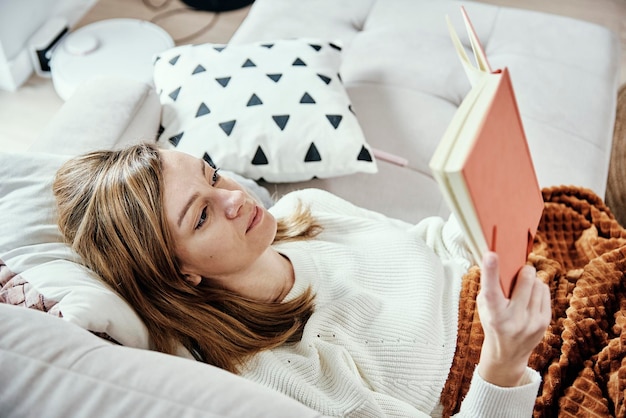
{"points": [[233, 201]]}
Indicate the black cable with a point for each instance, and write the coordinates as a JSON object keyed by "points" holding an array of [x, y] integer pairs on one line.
{"points": [[151, 6], [193, 35], [168, 13]]}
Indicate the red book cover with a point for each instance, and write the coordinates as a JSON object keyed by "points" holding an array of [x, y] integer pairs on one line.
{"points": [[502, 184]]}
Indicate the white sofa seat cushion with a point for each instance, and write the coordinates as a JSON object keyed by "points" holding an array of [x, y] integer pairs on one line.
{"points": [[405, 82]]}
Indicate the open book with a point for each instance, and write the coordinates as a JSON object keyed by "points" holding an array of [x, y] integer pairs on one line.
{"points": [[484, 168]]}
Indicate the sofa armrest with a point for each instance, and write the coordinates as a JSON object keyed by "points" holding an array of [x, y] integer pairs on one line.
{"points": [[52, 368], [103, 113]]}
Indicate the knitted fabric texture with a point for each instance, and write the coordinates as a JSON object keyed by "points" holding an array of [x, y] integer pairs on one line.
{"points": [[580, 251]]}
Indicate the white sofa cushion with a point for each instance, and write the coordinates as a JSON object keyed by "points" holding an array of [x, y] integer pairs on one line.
{"points": [[405, 83], [50, 368], [275, 110], [129, 112], [32, 246]]}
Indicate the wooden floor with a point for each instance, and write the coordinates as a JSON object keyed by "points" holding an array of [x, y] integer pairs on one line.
{"points": [[25, 113]]}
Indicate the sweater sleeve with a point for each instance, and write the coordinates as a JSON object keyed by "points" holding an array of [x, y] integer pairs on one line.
{"points": [[486, 400], [446, 238]]}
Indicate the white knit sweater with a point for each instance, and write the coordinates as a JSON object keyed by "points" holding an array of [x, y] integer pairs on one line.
{"points": [[382, 338]]}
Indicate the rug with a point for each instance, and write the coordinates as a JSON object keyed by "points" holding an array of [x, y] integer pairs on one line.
{"points": [[616, 184]]}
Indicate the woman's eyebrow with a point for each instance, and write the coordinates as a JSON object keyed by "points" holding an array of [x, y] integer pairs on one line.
{"points": [[193, 197], [183, 212]]}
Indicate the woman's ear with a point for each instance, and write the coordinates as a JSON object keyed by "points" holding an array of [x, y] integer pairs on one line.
{"points": [[193, 279]]}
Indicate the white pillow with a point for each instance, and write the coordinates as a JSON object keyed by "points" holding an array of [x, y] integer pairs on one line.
{"points": [[271, 110], [31, 245]]}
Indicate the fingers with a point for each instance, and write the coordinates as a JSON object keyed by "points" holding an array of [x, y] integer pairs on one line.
{"points": [[524, 292], [513, 327], [490, 276], [532, 296], [537, 299], [524, 285], [531, 293], [541, 304], [546, 300]]}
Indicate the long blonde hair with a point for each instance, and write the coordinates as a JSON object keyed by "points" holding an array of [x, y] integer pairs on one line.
{"points": [[110, 211]]}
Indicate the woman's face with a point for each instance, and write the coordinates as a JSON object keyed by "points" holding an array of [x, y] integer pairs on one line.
{"points": [[219, 230]]}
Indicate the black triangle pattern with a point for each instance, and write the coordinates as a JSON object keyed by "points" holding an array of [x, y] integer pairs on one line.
{"points": [[254, 101], [174, 60], [174, 94], [334, 120], [174, 140], [307, 99], [259, 157], [248, 63], [312, 155], [223, 81], [268, 46], [203, 109], [298, 62], [274, 77], [315, 47], [281, 121], [198, 69], [324, 78], [364, 155], [228, 126], [219, 48], [206, 157]]}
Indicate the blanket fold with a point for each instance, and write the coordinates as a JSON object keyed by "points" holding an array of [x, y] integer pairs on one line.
{"points": [[580, 251]]}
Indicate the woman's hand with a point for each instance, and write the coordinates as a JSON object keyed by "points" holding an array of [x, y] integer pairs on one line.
{"points": [[513, 327]]}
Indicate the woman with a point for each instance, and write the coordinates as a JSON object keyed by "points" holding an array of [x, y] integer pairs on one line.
{"points": [[350, 312]]}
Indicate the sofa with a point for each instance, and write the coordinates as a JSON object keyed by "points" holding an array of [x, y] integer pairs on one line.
{"points": [[81, 351]]}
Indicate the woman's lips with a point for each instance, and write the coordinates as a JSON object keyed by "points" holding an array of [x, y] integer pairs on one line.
{"points": [[255, 218]]}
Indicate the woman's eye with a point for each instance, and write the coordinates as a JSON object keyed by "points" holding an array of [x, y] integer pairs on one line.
{"points": [[216, 177], [202, 219]]}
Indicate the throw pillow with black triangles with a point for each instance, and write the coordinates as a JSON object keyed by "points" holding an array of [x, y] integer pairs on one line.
{"points": [[272, 110]]}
